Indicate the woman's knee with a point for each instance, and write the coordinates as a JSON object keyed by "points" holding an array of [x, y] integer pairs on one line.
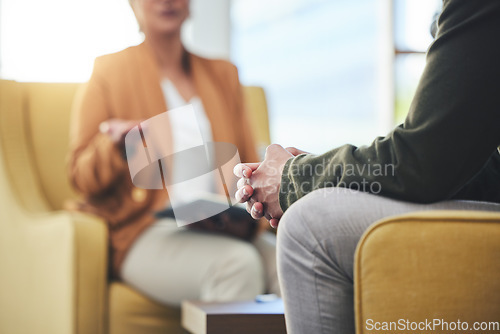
{"points": [[291, 226], [245, 256], [241, 265]]}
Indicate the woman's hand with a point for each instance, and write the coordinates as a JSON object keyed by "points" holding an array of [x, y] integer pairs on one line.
{"points": [[117, 129]]}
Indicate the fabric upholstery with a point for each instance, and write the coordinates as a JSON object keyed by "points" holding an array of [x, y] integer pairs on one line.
{"points": [[255, 99], [432, 265], [131, 313], [52, 263], [48, 116]]}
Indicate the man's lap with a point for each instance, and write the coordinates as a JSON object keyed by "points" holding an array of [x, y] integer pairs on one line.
{"points": [[334, 219]]}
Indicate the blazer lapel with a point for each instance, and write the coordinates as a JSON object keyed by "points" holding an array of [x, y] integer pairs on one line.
{"points": [[148, 83]]}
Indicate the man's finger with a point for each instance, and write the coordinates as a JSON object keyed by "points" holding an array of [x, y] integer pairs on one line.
{"points": [[246, 169], [274, 222], [243, 194], [257, 211], [241, 183], [249, 205]]}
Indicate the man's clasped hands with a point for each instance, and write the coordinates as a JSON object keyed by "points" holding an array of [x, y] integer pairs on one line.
{"points": [[259, 183]]}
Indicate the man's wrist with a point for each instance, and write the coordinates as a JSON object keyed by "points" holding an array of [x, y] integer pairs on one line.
{"points": [[285, 185]]}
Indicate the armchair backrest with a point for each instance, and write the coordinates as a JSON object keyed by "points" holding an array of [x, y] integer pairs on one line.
{"points": [[34, 137]]}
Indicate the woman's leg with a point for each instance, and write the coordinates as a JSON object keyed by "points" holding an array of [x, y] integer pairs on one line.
{"points": [[266, 245], [171, 264], [317, 238]]}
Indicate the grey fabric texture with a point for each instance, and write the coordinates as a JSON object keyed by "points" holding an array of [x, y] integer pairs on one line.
{"points": [[317, 238]]}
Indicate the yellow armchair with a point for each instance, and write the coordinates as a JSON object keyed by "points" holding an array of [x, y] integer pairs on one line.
{"points": [[441, 266], [53, 263]]}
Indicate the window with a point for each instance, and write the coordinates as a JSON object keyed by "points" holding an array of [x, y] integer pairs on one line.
{"points": [[319, 63], [412, 37], [334, 71], [57, 40]]}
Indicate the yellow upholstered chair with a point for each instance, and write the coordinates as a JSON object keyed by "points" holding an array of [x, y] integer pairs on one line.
{"points": [[53, 263], [442, 265], [256, 104]]}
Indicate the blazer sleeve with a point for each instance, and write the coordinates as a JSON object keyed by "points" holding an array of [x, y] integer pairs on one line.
{"points": [[95, 163], [451, 132]]}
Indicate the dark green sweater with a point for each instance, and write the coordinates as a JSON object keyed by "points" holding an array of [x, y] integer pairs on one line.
{"points": [[447, 146]]}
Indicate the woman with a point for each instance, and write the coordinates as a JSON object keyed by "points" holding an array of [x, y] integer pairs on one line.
{"points": [[166, 263]]}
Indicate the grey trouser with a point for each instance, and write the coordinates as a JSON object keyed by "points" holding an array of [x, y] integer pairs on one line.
{"points": [[317, 238], [170, 264]]}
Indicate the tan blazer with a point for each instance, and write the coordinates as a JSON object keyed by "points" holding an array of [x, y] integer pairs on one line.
{"points": [[126, 85]]}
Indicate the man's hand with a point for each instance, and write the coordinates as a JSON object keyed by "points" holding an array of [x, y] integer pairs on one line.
{"points": [[259, 183], [295, 151]]}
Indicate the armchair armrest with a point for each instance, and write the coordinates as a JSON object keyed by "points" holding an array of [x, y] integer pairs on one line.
{"points": [[432, 265], [53, 272]]}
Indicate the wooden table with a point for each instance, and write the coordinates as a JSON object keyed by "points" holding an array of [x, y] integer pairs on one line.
{"points": [[246, 317]]}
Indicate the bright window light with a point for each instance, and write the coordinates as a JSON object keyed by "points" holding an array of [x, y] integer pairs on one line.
{"points": [[58, 40], [319, 63]]}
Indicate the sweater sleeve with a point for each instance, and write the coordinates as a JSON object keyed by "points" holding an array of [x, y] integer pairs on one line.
{"points": [[95, 162], [485, 185], [451, 131]]}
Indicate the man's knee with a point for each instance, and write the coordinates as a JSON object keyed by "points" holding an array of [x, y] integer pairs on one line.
{"points": [[294, 238], [236, 273], [323, 210], [290, 225], [328, 222], [299, 224], [322, 217]]}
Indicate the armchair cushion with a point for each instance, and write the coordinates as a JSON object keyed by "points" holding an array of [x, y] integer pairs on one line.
{"points": [[132, 313], [431, 265]]}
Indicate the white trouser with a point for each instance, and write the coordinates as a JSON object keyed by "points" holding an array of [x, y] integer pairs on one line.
{"points": [[170, 264]]}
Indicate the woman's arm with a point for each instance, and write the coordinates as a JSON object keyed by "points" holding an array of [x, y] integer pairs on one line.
{"points": [[95, 161]]}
